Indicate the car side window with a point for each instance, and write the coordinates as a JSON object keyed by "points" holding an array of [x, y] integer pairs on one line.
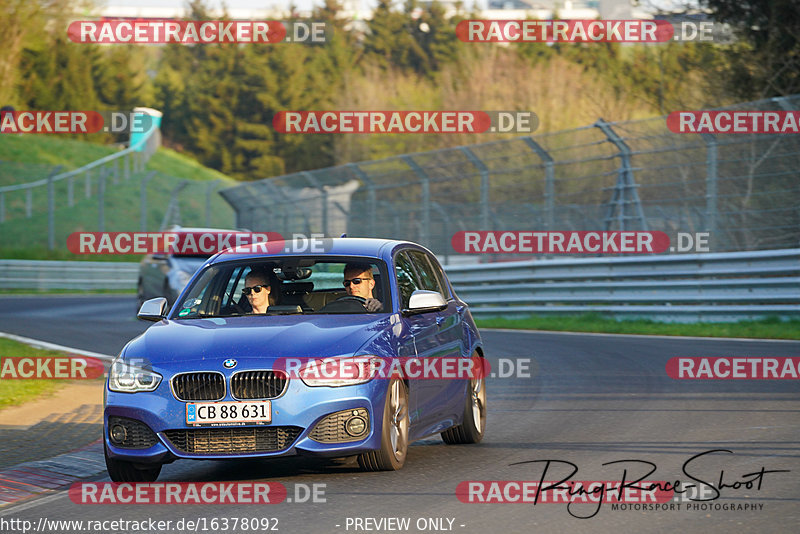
{"points": [[426, 273], [439, 272], [406, 278]]}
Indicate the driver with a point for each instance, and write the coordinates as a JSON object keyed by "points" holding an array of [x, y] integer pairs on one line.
{"points": [[359, 282]]}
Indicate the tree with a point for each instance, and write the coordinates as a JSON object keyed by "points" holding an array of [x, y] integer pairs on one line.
{"points": [[766, 61]]}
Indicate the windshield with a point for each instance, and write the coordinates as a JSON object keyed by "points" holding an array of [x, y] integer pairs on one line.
{"points": [[287, 286]]}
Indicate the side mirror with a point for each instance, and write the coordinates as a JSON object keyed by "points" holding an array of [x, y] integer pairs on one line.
{"points": [[423, 301], [153, 309]]}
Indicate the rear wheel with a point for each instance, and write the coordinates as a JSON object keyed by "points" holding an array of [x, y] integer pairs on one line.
{"points": [[472, 428], [122, 471], [394, 433]]}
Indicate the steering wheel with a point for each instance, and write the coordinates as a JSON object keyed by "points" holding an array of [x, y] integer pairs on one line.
{"points": [[348, 303]]}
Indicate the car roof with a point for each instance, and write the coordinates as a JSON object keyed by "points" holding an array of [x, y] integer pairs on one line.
{"points": [[335, 246]]}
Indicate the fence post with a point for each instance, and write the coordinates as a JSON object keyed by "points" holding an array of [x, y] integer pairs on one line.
{"points": [[288, 202], [372, 197], [101, 193], [70, 192], [323, 198], [712, 210], [29, 202], [424, 236], [126, 169], [143, 201], [51, 209], [88, 184], [173, 208], [626, 185], [209, 189], [484, 170], [549, 182], [2, 206], [446, 223]]}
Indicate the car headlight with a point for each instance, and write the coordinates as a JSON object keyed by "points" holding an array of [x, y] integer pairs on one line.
{"points": [[340, 371], [127, 378]]}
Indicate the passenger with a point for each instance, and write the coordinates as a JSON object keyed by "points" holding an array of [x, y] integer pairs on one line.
{"points": [[261, 289], [359, 282]]}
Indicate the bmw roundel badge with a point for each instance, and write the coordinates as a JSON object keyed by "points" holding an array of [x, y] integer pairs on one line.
{"points": [[229, 363]]}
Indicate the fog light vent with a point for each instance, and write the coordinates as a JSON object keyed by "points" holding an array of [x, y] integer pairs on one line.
{"points": [[130, 433], [344, 426]]}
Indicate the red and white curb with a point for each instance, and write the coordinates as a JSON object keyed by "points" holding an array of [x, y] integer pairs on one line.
{"points": [[29, 479]]}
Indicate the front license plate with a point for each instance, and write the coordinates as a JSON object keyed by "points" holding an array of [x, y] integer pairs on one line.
{"points": [[209, 413]]}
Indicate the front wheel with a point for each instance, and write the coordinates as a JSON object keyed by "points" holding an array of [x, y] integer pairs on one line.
{"points": [[122, 471], [472, 428], [394, 432]]}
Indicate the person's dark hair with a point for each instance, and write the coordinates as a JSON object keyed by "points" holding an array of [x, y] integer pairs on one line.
{"points": [[269, 276], [359, 268]]}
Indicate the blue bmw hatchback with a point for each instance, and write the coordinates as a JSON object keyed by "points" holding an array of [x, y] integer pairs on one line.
{"points": [[209, 380]]}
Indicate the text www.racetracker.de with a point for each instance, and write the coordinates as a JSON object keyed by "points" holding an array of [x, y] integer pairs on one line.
{"points": [[197, 524]]}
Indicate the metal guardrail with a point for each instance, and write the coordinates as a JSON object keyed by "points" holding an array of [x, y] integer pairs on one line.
{"points": [[79, 275], [691, 287]]}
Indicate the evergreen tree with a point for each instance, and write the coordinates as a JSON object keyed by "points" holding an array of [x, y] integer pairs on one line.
{"points": [[766, 61]]}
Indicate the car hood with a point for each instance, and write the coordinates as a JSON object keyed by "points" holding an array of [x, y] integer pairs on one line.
{"points": [[256, 338]]}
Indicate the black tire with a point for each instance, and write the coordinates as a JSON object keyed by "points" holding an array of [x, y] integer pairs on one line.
{"points": [[394, 432], [473, 426], [122, 471]]}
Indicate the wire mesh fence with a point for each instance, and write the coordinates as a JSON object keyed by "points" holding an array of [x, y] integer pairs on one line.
{"points": [[635, 175], [147, 201], [114, 193]]}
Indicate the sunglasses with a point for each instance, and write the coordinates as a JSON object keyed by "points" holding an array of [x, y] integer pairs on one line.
{"points": [[354, 281], [254, 289]]}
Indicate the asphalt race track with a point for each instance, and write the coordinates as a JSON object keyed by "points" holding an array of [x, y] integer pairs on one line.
{"points": [[589, 400]]}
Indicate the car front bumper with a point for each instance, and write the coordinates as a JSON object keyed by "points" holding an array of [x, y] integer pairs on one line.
{"points": [[299, 407]]}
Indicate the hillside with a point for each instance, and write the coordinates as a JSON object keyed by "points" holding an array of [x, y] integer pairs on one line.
{"points": [[25, 158]]}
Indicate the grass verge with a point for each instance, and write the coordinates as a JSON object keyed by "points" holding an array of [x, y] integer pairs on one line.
{"points": [[14, 392], [769, 328]]}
